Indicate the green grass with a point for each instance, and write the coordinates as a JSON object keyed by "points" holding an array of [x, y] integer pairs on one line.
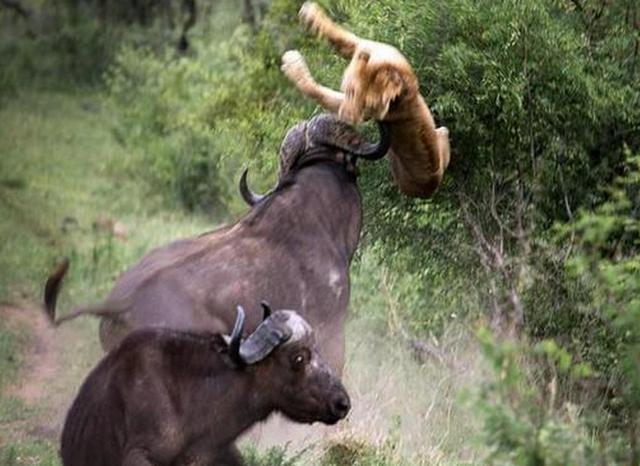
{"points": [[37, 452], [8, 360], [61, 173]]}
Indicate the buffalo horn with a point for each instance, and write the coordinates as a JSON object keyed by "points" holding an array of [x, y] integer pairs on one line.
{"points": [[236, 335], [366, 150], [269, 335], [371, 151], [249, 196]]}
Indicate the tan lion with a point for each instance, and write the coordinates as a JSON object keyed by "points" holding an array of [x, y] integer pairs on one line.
{"points": [[379, 83]]}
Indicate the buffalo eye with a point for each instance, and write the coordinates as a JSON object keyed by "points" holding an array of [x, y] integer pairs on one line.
{"points": [[299, 360]]}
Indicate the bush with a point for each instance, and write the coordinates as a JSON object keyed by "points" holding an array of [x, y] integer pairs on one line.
{"points": [[199, 122], [526, 421], [607, 263], [543, 405], [272, 457], [357, 453], [59, 47]]}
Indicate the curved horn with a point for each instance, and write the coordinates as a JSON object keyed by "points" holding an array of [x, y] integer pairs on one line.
{"points": [[371, 151], [266, 310], [249, 196], [268, 336], [236, 335], [328, 131]]}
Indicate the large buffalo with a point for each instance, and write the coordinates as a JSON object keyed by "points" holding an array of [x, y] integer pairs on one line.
{"points": [[292, 249]]}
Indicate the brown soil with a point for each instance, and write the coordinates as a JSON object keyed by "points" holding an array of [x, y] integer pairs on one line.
{"points": [[53, 363], [39, 361]]}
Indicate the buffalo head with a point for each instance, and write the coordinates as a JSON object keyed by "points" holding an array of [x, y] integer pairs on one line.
{"points": [[322, 138], [283, 355]]}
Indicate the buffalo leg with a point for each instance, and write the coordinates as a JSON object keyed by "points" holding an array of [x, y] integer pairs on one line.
{"points": [[316, 20], [153, 430]]}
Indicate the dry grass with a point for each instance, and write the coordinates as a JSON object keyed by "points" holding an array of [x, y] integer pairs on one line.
{"points": [[404, 411]]}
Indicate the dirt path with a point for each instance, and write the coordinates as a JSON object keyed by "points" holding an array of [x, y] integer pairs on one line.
{"points": [[52, 366], [39, 361]]}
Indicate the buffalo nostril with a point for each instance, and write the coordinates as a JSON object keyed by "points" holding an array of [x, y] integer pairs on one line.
{"points": [[340, 406]]}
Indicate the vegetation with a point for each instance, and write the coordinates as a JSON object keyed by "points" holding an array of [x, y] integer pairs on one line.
{"points": [[528, 252]]}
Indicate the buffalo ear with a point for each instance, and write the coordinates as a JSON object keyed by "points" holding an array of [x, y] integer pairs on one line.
{"points": [[266, 310]]}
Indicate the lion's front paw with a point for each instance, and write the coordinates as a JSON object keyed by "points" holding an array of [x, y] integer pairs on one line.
{"points": [[295, 67]]}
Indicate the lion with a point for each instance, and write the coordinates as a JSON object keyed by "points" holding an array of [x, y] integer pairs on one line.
{"points": [[379, 83]]}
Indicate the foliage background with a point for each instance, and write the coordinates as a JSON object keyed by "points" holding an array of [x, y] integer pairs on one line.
{"points": [[531, 243]]}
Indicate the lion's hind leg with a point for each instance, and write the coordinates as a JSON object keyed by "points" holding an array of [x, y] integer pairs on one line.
{"points": [[317, 21]]}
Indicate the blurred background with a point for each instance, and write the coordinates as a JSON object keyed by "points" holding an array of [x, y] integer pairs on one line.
{"points": [[496, 323]]}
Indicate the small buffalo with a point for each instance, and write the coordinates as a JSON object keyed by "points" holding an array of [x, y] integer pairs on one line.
{"points": [[168, 397]]}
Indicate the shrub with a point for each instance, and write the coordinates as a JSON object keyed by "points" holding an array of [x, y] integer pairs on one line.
{"points": [[60, 47], [526, 422], [606, 261]]}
